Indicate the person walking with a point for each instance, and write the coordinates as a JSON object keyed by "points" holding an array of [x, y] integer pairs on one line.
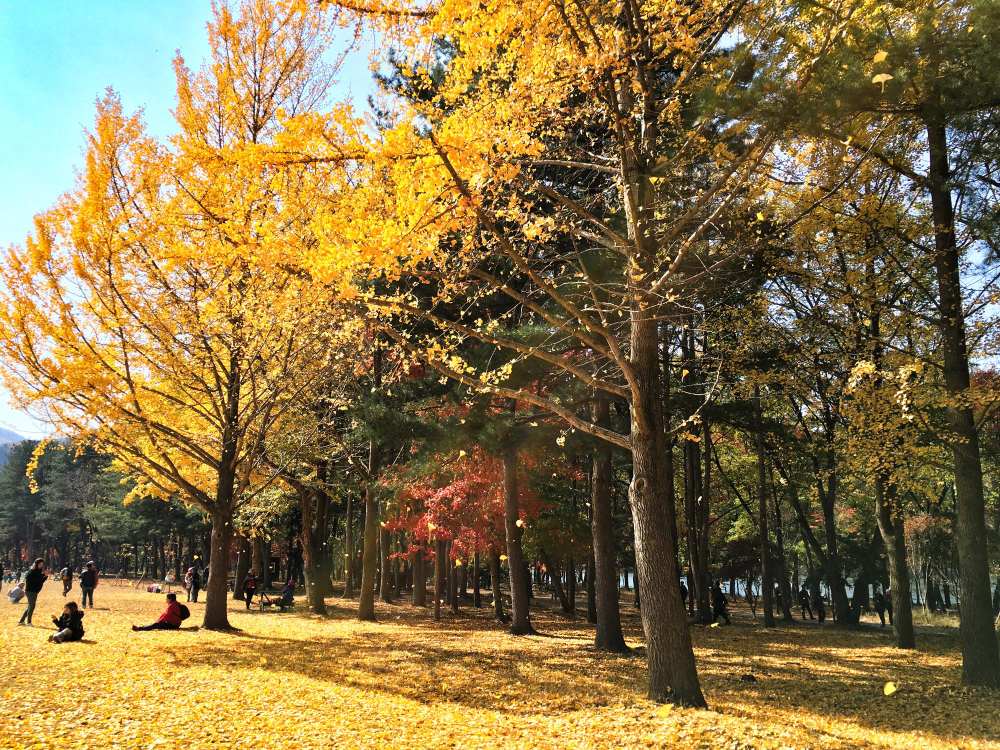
{"points": [[879, 600], [719, 603], [684, 594], [887, 597], [804, 602], [34, 579], [88, 582], [69, 624], [193, 582], [67, 578], [249, 587], [817, 600]]}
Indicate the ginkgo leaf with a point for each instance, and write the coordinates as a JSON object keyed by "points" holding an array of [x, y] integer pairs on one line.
{"points": [[890, 688], [431, 527], [503, 558], [880, 56], [461, 454], [519, 522], [882, 78], [665, 710], [458, 563]]}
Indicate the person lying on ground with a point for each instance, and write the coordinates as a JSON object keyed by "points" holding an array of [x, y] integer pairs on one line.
{"points": [[69, 624], [169, 620]]}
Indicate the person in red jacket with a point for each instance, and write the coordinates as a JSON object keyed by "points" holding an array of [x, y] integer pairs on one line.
{"points": [[169, 620]]}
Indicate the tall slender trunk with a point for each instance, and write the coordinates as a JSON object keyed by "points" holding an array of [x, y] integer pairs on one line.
{"points": [[311, 551], [520, 622], [787, 595], [349, 549], [370, 554], [385, 563], [605, 572], [243, 557], [498, 612], [980, 654], [766, 578], [672, 671], [890, 523], [439, 582], [591, 590], [477, 597], [419, 580], [555, 576]]}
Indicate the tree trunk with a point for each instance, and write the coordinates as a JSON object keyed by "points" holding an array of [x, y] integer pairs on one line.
{"points": [[591, 590], [890, 523], [477, 597], [439, 582], [766, 578], [349, 549], [980, 655], [243, 556], [369, 561], [554, 576], [498, 612], [672, 671], [311, 551], [216, 601], [520, 622], [419, 580], [604, 586], [385, 555]]}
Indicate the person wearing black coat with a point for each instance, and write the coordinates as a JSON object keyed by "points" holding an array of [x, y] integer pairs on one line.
{"points": [[34, 579], [70, 624], [88, 582]]}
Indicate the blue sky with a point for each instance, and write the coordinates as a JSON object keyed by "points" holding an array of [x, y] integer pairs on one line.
{"points": [[57, 58]]}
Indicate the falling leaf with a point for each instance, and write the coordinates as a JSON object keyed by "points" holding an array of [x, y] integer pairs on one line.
{"points": [[760, 216], [503, 558], [519, 523], [882, 78], [461, 454], [880, 56], [890, 688]]}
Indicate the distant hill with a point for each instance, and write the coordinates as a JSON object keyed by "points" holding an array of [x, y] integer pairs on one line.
{"points": [[9, 436], [7, 439]]}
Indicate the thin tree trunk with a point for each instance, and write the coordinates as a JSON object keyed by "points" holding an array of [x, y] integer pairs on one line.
{"points": [[498, 612], [766, 582], [980, 654], [419, 580], [520, 622], [554, 577], [243, 556], [605, 570], [890, 523], [439, 582], [349, 549], [385, 564], [477, 598]]}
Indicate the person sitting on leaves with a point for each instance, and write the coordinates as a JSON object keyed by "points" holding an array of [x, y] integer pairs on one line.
{"points": [[69, 623], [172, 616]]}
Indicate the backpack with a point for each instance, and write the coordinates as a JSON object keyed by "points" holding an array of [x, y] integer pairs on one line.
{"points": [[185, 612]]}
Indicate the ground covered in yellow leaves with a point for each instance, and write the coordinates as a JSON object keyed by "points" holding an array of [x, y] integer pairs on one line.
{"points": [[294, 680]]}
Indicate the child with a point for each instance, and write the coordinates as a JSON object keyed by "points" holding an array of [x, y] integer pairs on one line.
{"points": [[70, 624]]}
